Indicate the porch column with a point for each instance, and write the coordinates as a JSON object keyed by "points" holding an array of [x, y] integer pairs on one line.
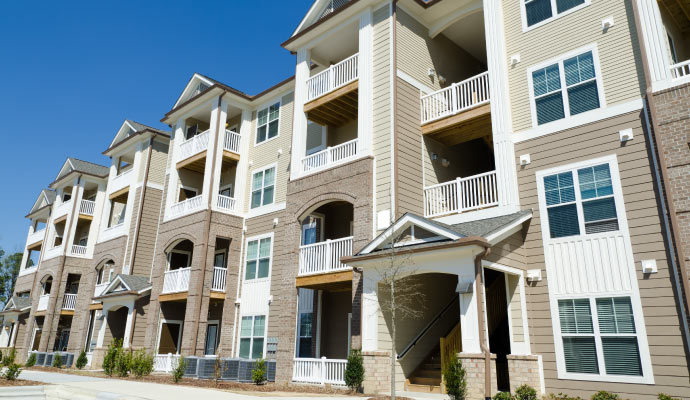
{"points": [[365, 77], [469, 321], [370, 311], [299, 122], [13, 334], [655, 42], [101, 332], [128, 327], [217, 127]]}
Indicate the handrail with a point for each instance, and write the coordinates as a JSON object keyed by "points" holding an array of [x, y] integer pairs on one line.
{"points": [[426, 329]]}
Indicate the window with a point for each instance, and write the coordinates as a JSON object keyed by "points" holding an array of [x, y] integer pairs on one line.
{"points": [[187, 193], [191, 131], [258, 259], [252, 337], [607, 347], [580, 202], [219, 260], [263, 185], [537, 11], [178, 260], [305, 335], [267, 123], [568, 87]]}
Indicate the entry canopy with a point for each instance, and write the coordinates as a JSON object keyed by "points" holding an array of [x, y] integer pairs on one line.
{"points": [[126, 285]]}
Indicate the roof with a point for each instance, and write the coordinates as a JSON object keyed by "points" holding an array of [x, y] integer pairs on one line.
{"points": [[135, 282], [75, 164], [17, 303], [128, 130], [126, 285], [44, 199], [485, 227]]}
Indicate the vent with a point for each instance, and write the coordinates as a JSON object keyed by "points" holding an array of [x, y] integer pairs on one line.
{"points": [[191, 369], [331, 7]]}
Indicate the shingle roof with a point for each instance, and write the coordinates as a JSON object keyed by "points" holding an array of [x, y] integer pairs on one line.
{"points": [[135, 282], [140, 127], [485, 227], [19, 303], [88, 167]]}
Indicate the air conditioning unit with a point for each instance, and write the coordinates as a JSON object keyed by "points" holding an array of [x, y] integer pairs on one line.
{"points": [[231, 368], [191, 368], [40, 358], [48, 360], [271, 370]]}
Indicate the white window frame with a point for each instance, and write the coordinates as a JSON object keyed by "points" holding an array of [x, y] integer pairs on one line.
{"points": [[324, 138], [251, 185], [246, 255], [185, 187], [321, 218], [179, 334], [217, 324], [554, 16], [225, 258], [187, 253], [252, 337], [564, 88], [266, 106]]}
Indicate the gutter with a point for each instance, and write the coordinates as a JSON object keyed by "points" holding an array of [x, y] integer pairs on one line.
{"points": [[670, 221], [394, 110]]}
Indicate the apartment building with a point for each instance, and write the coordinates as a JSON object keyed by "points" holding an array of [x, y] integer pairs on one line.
{"points": [[522, 164]]}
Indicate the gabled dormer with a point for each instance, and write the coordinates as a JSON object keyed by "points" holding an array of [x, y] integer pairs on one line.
{"points": [[196, 85], [44, 199], [318, 11]]}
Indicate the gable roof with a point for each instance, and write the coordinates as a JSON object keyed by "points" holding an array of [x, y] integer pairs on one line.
{"points": [[17, 303], [44, 199], [76, 165], [129, 129], [126, 285]]}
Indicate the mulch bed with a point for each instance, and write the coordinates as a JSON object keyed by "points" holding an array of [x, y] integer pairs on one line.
{"points": [[269, 387], [19, 382], [388, 398]]}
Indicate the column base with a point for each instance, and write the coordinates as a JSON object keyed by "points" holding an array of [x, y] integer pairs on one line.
{"points": [[377, 371], [474, 374], [97, 358], [525, 370]]}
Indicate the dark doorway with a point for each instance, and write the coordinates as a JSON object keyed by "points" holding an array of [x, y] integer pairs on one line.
{"points": [[497, 324], [169, 340]]}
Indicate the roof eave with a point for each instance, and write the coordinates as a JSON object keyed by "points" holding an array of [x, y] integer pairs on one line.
{"points": [[462, 242], [129, 139]]}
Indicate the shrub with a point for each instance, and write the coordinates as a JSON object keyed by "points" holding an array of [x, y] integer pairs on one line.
{"points": [[8, 360], [354, 370], [259, 371], [81, 360], [525, 392], [178, 371], [123, 363], [502, 396], [663, 396], [111, 355], [217, 370], [604, 395], [561, 396], [454, 376], [57, 360], [142, 363], [31, 361], [12, 372]]}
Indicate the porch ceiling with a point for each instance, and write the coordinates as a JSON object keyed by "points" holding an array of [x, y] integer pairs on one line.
{"points": [[333, 282], [335, 108], [679, 10], [462, 127]]}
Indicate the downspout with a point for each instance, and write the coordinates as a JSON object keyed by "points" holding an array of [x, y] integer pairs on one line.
{"points": [[670, 221], [394, 110], [207, 219], [140, 212], [479, 279]]}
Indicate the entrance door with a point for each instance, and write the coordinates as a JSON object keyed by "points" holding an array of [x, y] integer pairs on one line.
{"points": [[211, 339], [497, 324], [170, 338]]}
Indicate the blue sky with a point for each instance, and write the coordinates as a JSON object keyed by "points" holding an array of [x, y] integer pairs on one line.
{"points": [[72, 71]]}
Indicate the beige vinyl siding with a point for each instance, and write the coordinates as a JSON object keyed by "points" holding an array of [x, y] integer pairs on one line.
{"points": [[132, 225], [266, 153], [148, 230], [517, 329], [139, 334], [381, 107], [417, 52], [159, 156], [409, 151], [658, 303], [509, 252], [618, 53]]}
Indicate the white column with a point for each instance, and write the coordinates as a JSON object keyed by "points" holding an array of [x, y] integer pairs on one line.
{"points": [[4, 336], [215, 174], [73, 215], [501, 122], [469, 321], [370, 311], [173, 178], [128, 326], [365, 91], [101, 332], [100, 201], [13, 335], [242, 174], [299, 123], [655, 42], [318, 323]]}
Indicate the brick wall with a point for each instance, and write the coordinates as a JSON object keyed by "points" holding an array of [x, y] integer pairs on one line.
{"points": [[474, 375], [377, 371], [524, 370]]}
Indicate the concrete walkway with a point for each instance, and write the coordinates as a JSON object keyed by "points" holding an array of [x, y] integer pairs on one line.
{"points": [[66, 386]]}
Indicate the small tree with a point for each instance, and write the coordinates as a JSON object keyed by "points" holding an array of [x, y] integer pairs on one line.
{"points": [[9, 357], [111, 356], [259, 372], [12, 372], [31, 361], [178, 371], [354, 370], [525, 392], [217, 370], [82, 360], [142, 363], [454, 376], [57, 360]]}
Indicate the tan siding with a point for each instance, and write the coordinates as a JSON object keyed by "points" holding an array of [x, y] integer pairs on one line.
{"points": [[417, 52], [658, 303], [158, 160], [139, 333], [147, 232], [381, 108], [409, 150], [515, 308], [618, 54]]}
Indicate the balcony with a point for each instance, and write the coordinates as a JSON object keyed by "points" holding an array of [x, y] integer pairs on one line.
{"points": [[35, 239], [62, 210], [100, 288], [176, 281], [219, 277], [332, 94], [330, 157], [319, 371], [43, 302], [120, 182], [461, 195], [187, 206], [461, 110], [231, 145], [87, 208], [79, 251], [333, 77], [193, 150], [69, 301], [225, 203], [324, 257], [680, 70]]}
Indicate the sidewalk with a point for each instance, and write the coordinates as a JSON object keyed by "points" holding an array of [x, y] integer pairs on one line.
{"points": [[77, 386]]}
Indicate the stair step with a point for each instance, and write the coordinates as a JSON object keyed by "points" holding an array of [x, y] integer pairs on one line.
{"points": [[431, 366], [413, 387], [429, 373], [423, 380]]}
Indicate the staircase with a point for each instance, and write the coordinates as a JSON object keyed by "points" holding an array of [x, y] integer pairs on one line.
{"points": [[427, 377]]}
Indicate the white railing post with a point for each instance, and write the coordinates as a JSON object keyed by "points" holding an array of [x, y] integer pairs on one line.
{"points": [[329, 251], [323, 370], [459, 195]]}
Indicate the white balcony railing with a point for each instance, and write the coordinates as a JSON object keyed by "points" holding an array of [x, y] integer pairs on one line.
{"points": [[680, 70], [187, 206], [99, 289], [78, 250], [325, 256], [461, 195], [120, 181], [319, 370], [43, 302], [219, 276], [87, 207], [176, 280], [36, 236], [232, 141], [226, 203], [333, 77], [62, 209], [457, 97], [330, 157], [194, 146], [69, 301], [165, 362]]}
